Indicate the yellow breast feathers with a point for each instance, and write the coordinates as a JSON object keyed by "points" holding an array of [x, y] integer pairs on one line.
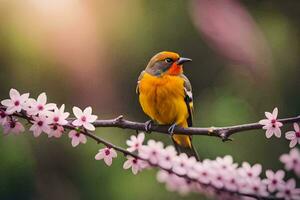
{"points": [[162, 98]]}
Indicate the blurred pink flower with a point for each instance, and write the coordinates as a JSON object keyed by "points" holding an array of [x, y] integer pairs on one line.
{"points": [[135, 164], [226, 163], [135, 142], [16, 102], [248, 172], [40, 124], [202, 172], [84, 118], [167, 157], [56, 131], [39, 106], [151, 151], [107, 154], [288, 190], [271, 124], [3, 117], [77, 138], [256, 187], [291, 160], [13, 126], [274, 180], [230, 30], [294, 136], [180, 164]]}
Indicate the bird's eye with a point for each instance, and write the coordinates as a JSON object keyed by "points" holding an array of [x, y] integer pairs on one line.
{"points": [[168, 60]]}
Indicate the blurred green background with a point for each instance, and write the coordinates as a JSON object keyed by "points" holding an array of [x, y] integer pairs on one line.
{"points": [[91, 53]]}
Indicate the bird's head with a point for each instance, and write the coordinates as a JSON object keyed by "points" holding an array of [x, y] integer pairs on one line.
{"points": [[166, 62]]}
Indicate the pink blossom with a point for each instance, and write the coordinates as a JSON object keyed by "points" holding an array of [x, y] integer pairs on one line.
{"points": [[151, 151], [217, 178], [225, 163], [13, 126], [3, 117], [56, 131], [84, 118], [59, 116], [201, 172], [77, 138], [294, 136], [107, 154], [233, 181], [291, 161], [271, 124], [162, 176], [135, 164], [182, 163], [176, 183], [249, 172], [255, 186], [40, 124], [274, 180], [135, 142], [39, 106], [288, 191], [167, 157], [16, 102]]}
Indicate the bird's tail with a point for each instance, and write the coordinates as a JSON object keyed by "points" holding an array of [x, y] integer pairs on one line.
{"points": [[183, 144]]}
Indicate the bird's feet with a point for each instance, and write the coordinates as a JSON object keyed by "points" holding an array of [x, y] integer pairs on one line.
{"points": [[148, 125], [171, 129]]}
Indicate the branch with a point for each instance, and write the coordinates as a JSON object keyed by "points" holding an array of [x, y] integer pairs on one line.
{"points": [[222, 132]]}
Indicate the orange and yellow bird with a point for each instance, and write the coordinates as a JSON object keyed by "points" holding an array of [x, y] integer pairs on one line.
{"points": [[165, 95]]}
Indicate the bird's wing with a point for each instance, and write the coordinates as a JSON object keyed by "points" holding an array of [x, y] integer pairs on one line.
{"points": [[188, 99], [138, 82]]}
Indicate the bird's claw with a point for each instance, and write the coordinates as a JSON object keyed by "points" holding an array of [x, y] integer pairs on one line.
{"points": [[148, 125], [171, 129]]}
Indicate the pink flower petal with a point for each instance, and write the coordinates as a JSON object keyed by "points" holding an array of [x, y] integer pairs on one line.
{"points": [[42, 98], [24, 97], [89, 126], [293, 143], [269, 115], [269, 133], [108, 161], [99, 156], [92, 118], [77, 112], [13, 93], [277, 132], [82, 138], [113, 153], [75, 141], [296, 127], [275, 113], [77, 122], [290, 135], [7, 102], [88, 110], [127, 164], [264, 122]]}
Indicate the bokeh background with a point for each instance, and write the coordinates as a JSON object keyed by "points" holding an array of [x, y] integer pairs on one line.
{"points": [[245, 61]]}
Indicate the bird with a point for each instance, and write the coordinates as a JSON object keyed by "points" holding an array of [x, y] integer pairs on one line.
{"points": [[165, 95]]}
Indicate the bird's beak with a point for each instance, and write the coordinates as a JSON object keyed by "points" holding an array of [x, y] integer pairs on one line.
{"points": [[183, 60]]}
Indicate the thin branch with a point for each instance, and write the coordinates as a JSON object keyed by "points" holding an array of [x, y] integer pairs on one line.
{"points": [[222, 132]]}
